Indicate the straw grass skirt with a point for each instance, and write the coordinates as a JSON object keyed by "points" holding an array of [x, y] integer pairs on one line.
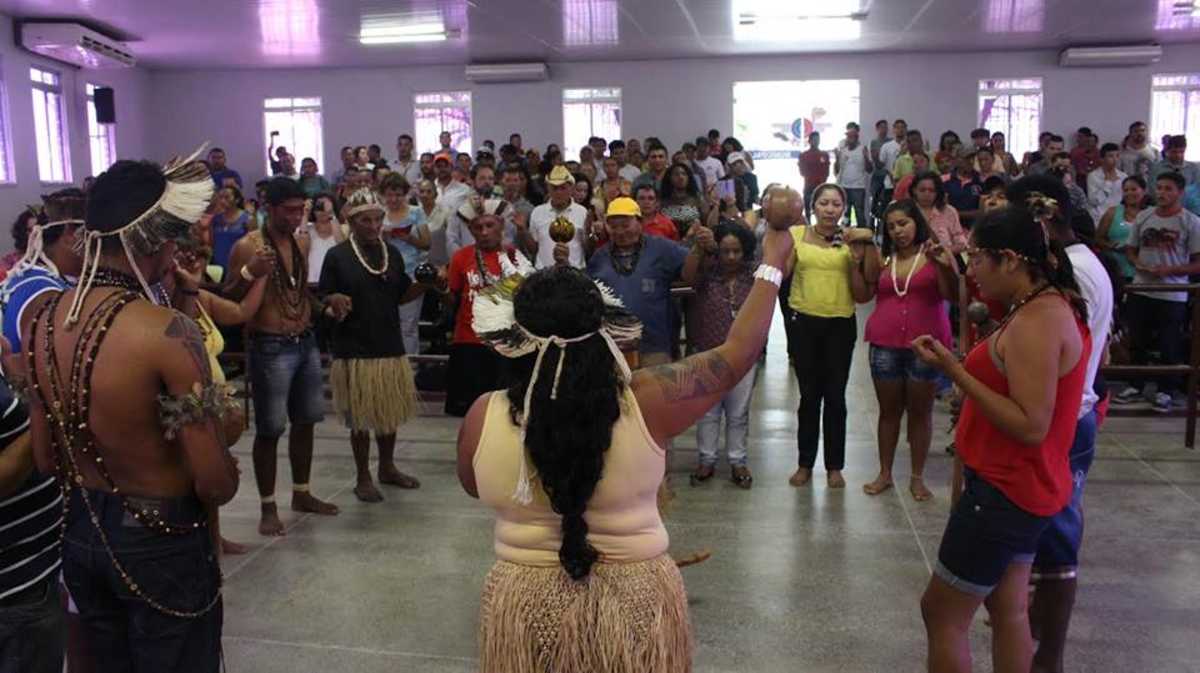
{"points": [[624, 618], [373, 394]]}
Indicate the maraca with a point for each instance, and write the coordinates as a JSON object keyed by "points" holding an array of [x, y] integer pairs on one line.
{"points": [[562, 230], [425, 273], [783, 207]]}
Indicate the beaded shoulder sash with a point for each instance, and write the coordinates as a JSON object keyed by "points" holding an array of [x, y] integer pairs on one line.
{"points": [[68, 408]]}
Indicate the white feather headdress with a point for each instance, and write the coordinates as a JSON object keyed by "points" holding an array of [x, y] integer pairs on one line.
{"points": [[186, 196]]}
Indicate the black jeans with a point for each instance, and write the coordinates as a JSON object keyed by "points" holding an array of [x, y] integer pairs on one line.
{"points": [[33, 630], [1158, 324], [126, 634], [857, 203], [823, 348]]}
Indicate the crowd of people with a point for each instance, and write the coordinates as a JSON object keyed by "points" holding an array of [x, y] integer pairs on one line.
{"points": [[631, 282]]}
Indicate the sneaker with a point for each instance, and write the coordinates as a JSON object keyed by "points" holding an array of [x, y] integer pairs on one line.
{"points": [[1129, 395], [1162, 403]]}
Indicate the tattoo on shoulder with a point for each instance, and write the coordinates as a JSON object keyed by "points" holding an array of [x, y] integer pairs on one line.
{"points": [[184, 329], [697, 376]]}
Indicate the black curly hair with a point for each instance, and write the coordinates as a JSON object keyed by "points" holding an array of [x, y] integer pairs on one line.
{"points": [[65, 204], [21, 227], [567, 447]]}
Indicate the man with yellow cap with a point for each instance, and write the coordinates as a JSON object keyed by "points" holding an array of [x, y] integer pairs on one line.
{"points": [[640, 270], [534, 232]]}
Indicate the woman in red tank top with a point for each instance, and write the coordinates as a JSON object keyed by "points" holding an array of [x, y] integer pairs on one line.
{"points": [[1023, 387]]}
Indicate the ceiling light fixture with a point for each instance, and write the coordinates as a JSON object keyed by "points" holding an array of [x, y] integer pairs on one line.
{"points": [[797, 20], [399, 30]]}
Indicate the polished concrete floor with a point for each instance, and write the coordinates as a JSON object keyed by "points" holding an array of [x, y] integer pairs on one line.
{"points": [[802, 580]]}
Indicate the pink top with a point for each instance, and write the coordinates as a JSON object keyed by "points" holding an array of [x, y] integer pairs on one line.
{"points": [[947, 229], [897, 320]]}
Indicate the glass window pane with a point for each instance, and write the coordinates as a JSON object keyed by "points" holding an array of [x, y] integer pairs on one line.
{"points": [[43, 135]]}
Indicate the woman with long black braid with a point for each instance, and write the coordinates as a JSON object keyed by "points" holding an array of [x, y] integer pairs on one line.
{"points": [[570, 459], [1023, 388]]}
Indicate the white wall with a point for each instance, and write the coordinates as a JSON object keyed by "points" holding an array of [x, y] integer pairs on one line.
{"points": [[674, 100], [130, 86]]}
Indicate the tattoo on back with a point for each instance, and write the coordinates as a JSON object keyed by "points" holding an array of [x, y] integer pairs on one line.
{"points": [[697, 376], [185, 329]]}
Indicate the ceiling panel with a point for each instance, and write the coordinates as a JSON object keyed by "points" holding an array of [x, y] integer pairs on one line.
{"points": [[291, 33]]}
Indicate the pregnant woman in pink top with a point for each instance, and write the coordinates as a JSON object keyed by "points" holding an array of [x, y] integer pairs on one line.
{"points": [[918, 278]]}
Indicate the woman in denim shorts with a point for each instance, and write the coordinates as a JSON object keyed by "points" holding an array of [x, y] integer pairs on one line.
{"points": [[918, 278], [1023, 387]]}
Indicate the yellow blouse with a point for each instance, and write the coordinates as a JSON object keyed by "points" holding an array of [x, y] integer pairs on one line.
{"points": [[821, 281], [214, 343]]}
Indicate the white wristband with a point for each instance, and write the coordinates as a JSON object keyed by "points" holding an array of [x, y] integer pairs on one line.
{"points": [[770, 274], [250, 278]]}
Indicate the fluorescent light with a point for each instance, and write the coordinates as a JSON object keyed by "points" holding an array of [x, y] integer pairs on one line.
{"points": [[400, 39], [396, 29], [797, 20]]}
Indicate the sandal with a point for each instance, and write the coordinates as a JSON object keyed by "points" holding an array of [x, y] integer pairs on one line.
{"points": [[702, 474], [741, 477], [920, 493]]}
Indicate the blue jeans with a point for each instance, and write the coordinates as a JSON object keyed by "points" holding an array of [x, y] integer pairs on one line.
{"points": [[180, 572], [735, 406], [286, 384], [1058, 548], [33, 630]]}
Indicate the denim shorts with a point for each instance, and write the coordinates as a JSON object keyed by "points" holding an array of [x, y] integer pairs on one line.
{"points": [[899, 364], [286, 383], [1058, 549], [986, 533]]}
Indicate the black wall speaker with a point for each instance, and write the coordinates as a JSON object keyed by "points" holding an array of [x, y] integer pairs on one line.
{"points": [[106, 105]]}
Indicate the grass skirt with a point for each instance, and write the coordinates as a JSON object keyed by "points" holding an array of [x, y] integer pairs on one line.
{"points": [[623, 618], [373, 394]]}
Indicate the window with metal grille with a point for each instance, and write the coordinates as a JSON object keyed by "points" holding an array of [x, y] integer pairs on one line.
{"points": [[442, 111], [1014, 108], [298, 123], [102, 138], [1175, 110], [587, 113], [50, 126]]}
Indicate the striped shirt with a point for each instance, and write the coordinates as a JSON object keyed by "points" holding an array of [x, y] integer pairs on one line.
{"points": [[30, 517]]}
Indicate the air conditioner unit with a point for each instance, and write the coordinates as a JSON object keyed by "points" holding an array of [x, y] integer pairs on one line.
{"points": [[1086, 57], [75, 44], [507, 72]]}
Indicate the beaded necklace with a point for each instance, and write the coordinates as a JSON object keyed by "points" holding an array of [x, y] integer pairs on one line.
{"points": [[69, 414], [907, 279], [375, 272], [625, 263], [290, 287], [485, 276]]}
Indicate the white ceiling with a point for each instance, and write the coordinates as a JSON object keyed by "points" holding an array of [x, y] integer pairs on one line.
{"points": [[324, 33]]}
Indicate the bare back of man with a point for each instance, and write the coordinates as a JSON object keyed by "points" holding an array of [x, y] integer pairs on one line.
{"points": [[147, 352]]}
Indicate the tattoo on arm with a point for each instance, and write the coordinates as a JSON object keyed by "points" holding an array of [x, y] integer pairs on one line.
{"points": [[697, 376], [185, 330]]}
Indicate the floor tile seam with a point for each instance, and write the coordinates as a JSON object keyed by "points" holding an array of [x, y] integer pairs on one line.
{"points": [[349, 648], [1157, 473], [913, 527]]}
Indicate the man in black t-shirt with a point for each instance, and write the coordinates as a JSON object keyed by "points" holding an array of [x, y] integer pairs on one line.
{"points": [[364, 283]]}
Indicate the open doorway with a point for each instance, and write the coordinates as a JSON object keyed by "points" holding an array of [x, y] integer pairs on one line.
{"points": [[772, 120]]}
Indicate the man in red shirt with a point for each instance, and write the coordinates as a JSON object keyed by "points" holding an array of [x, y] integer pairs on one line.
{"points": [[475, 369], [814, 168], [1085, 157], [654, 223]]}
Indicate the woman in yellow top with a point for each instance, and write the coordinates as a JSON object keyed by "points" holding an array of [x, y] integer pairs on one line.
{"points": [[209, 310], [570, 459], [832, 270]]}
